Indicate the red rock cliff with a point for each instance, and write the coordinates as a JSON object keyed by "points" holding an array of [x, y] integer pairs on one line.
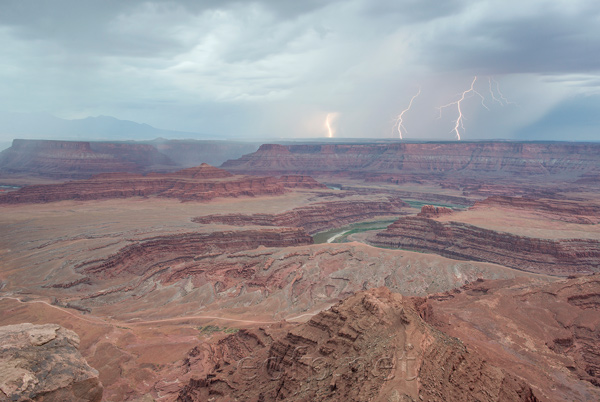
{"points": [[316, 217], [436, 158], [194, 184], [464, 241], [161, 252]]}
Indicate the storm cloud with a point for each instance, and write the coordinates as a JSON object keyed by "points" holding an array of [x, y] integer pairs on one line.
{"points": [[249, 69]]}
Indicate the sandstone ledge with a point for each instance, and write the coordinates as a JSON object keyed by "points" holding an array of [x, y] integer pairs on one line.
{"points": [[43, 363]]}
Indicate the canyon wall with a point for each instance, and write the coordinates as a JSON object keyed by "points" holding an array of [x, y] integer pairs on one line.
{"points": [[463, 241], [506, 158], [160, 253], [315, 217], [193, 184]]}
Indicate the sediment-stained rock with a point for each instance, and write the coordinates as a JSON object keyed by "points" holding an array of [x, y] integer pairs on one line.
{"points": [[567, 211], [373, 346], [463, 241], [201, 183], [315, 217], [43, 363]]}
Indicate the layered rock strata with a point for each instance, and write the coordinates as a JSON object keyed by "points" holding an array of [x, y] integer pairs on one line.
{"points": [[373, 346], [567, 211], [431, 158], [43, 363], [315, 217], [160, 253], [463, 241], [193, 184]]}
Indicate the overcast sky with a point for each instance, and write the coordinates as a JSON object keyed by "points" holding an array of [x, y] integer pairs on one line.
{"points": [[277, 68]]}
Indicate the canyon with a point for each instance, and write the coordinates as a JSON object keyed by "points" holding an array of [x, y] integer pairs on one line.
{"points": [[188, 283], [317, 216]]}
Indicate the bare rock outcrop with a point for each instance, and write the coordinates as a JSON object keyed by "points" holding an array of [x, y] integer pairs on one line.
{"points": [[200, 183], [372, 346], [431, 211], [316, 217], [548, 334], [43, 363], [467, 242]]}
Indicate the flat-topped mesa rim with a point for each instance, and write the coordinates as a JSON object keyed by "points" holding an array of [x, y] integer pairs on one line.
{"points": [[523, 158], [200, 183]]}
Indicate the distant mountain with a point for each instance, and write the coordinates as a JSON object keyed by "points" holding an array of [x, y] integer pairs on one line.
{"points": [[41, 125]]}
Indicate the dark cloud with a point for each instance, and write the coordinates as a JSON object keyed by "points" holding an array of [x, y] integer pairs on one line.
{"points": [[549, 41], [280, 66], [408, 12]]}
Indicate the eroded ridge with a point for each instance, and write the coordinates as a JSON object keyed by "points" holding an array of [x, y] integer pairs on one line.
{"points": [[372, 346], [468, 242]]}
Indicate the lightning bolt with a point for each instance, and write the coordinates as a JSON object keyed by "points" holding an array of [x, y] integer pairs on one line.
{"points": [[329, 123], [502, 100], [459, 120], [399, 120], [492, 92]]}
